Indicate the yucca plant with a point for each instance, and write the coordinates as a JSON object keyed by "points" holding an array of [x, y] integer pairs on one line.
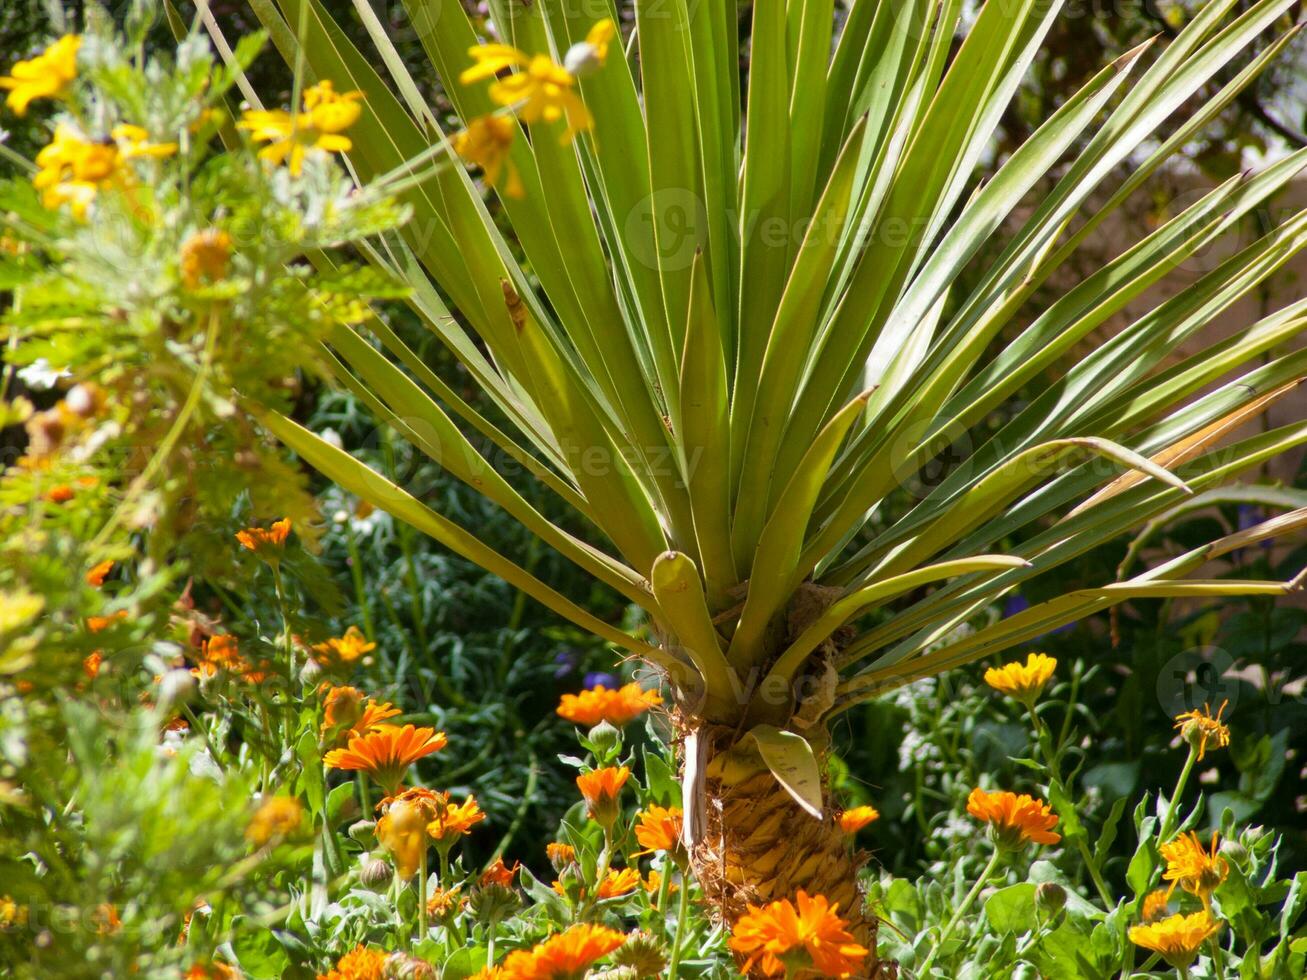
{"points": [[729, 321]]}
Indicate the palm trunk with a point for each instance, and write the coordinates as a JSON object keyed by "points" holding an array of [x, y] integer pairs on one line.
{"points": [[759, 846]]}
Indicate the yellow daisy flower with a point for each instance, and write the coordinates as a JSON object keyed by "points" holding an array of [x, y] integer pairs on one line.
{"points": [[47, 76], [487, 143], [1025, 682]]}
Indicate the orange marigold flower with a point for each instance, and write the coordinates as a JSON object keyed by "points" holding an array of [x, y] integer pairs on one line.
{"points": [[98, 573], [1025, 682], [454, 820], [212, 971], [617, 883], [98, 624], [1014, 820], [854, 819], [345, 649], [266, 541], [655, 882], [221, 652], [1199, 728], [1156, 905], [499, 873], [91, 665], [386, 752], [345, 712], [598, 704], [278, 817], [773, 935], [564, 956], [601, 789], [1199, 872], [60, 494], [1177, 939], [360, 963], [659, 828]]}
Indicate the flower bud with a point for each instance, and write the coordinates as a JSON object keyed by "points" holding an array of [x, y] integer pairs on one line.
{"points": [[642, 955], [1050, 898], [364, 831], [494, 903], [1233, 850], [310, 673], [582, 58], [605, 740], [376, 875], [401, 966]]}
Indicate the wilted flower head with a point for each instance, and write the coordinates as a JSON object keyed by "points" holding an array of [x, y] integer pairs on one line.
{"points": [[1198, 871], [1014, 820], [774, 935], [499, 874], [402, 827], [1199, 728]]}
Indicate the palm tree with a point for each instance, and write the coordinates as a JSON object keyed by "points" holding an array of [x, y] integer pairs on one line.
{"points": [[728, 325]]}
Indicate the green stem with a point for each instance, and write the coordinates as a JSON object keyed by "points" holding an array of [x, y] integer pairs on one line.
{"points": [[682, 915], [422, 893], [1168, 821], [365, 795], [1218, 958], [664, 889], [1043, 737], [961, 910]]}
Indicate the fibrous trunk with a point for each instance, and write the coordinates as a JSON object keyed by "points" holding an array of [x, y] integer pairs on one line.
{"points": [[759, 845]]}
